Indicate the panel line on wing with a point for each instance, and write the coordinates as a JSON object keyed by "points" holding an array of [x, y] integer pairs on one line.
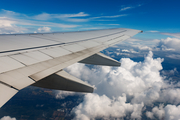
{"points": [[98, 37], [56, 51], [46, 54], [60, 43], [7, 64], [17, 60], [35, 36], [8, 85]]}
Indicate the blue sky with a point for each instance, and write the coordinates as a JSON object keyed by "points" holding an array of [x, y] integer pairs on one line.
{"points": [[151, 16]]}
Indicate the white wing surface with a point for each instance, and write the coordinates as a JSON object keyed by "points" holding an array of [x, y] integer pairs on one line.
{"points": [[39, 59]]}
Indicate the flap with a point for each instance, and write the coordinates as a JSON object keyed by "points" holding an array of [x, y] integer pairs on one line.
{"points": [[100, 59], [64, 81]]}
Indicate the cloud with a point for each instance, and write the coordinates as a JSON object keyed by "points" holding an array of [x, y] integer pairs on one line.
{"points": [[141, 83], [131, 74], [12, 26], [4, 22], [124, 8], [77, 20], [133, 39], [172, 112], [169, 112], [43, 29], [7, 118], [12, 30], [152, 31], [166, 48], [112, 24], [173, 56], [95, 106], [43, 16], [169, 44], [79, 17], [123, 91], [170, 95], [113, 16], [157, 112], [143, 47], [63, 94], [8, 13], [170, 72], [12, 22], [138, 45], [66, 17], [124, 50], [80, 14], [172, 34], [8, 26]]}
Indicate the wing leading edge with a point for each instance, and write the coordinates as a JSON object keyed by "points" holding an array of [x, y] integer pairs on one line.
{"points": [[39, 59]]}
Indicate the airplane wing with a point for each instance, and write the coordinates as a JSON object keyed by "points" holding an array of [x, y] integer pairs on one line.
{"points": [[39, 59]]}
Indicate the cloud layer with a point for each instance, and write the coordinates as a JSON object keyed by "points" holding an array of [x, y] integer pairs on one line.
{"points": [[172, 34], [95, 106], [170, 44], [169, 112], [124, 92]]}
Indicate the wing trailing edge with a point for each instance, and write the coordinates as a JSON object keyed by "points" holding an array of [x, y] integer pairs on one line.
{"points": [[6, 92], [64, 81]]}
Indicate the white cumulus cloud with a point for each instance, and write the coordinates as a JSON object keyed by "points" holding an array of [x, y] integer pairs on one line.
{"points": [[63, 94], [170, 44], [169, 112], [7, 118], [123, 91], [124, 50], [8, 26], [95, 106], [157, 112], [126, 91], [170, 96], [43, 29]]}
